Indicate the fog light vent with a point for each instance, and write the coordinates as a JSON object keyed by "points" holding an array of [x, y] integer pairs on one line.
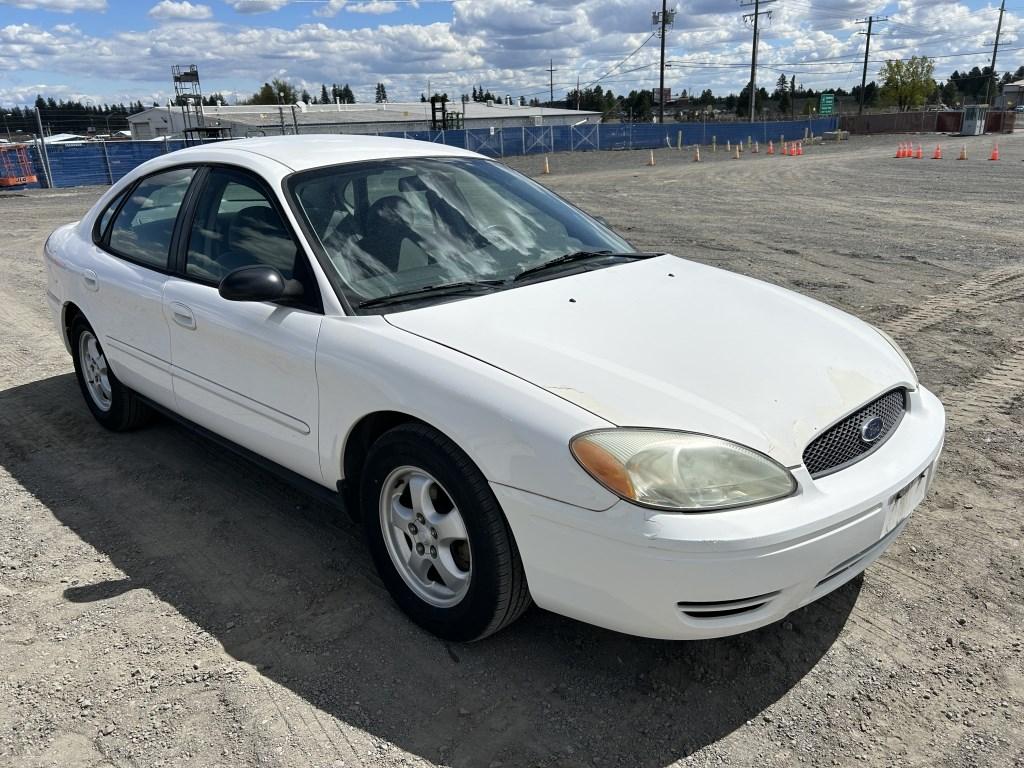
{"points": [[718, 608]]}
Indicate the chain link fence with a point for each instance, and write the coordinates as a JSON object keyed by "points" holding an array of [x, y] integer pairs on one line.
{"points": [[74, 164]]}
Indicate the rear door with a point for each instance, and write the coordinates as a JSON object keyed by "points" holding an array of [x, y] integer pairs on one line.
{"points": [[245, 370], [125, 280]]}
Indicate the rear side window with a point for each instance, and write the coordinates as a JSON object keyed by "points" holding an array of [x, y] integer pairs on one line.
{"points": [[104, 219], [143, 227]]}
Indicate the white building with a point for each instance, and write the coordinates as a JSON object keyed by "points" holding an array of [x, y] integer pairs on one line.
{"points": [[257, 120], [1012, 95]]}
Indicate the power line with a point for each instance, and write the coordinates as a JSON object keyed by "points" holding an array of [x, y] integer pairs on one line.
{"points": [[753, 51], [627, 58], [870, 20]]}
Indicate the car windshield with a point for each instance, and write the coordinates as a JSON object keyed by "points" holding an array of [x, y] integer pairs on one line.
{"points": [[399, 226]]}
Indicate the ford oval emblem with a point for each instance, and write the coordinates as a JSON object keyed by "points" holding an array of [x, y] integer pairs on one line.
{"points": [[871, 429]]}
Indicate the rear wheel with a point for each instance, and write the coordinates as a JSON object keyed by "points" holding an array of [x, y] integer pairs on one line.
{"points": [[112, 404], [438, 536]]}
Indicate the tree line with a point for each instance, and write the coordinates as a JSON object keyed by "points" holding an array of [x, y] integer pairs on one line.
{"points": [[903, 84]]}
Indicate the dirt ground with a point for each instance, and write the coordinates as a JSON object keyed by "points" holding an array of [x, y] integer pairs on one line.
{"points": [[163, 603]]}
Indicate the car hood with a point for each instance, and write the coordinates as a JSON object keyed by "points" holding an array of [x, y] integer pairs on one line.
{"points": [[674, 344]]}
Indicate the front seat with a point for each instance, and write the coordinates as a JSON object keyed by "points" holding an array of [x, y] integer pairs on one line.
{"points": [[388, 223], [256, 236]]}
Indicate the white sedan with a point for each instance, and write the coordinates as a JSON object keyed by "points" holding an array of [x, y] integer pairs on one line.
{"points": [[518, 405]]}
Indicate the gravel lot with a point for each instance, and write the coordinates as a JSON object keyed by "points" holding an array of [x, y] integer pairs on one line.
{"points": [[162, 603]]}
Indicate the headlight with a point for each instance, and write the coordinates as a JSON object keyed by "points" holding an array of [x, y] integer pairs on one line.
{"points": [[899, 350], [680, 470]]}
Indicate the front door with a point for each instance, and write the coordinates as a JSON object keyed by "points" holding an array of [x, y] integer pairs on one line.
{"points": [[245, 370]]}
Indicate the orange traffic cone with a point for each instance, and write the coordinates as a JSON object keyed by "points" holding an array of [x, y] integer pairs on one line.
{"points": [[771, 147], [899, 150], [920, 152], [799, 149], [696, 154], [995, 152], [547, 168], [937, 154], [736, 153], [785, 149], [963, 152]]}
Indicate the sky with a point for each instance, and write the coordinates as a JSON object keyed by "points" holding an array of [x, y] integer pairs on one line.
{"points": [[111, 51]]}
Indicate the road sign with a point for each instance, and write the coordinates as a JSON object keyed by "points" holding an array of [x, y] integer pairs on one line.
{"points": [[826, 104]]}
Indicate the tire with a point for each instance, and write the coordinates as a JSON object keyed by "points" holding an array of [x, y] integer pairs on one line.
{"points": [[495, 592], [112, 404]]}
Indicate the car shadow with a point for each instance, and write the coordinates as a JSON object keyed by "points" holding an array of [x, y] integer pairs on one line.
{"points": [[284, 583]]}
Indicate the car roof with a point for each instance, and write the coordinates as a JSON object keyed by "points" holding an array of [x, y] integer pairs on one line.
{"points": [[306, 151]]}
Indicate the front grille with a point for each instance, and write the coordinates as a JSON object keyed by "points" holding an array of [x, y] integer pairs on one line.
{"points": [[841, 444]]}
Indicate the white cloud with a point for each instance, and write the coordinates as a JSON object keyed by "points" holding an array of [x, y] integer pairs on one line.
{"points": [[257, 6], [330, 8], [169, 9], [62, 6], [373, 6]]}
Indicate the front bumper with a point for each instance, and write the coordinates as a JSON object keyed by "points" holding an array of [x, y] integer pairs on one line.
{"points": [[689, 576]]}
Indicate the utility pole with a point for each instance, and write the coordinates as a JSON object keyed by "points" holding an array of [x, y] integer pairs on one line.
{"points": [[551, 75], [870, 20], [757, 14], [995, 49], [662, 20]]}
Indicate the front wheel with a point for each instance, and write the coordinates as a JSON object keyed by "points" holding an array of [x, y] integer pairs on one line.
{"points": [[438, 536]]}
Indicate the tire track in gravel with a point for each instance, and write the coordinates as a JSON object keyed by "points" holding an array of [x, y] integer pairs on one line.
{"points": [[987, 287], [993, 392]]}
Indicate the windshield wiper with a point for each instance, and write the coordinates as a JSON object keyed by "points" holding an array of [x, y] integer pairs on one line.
{"points": [[439, 289], [568, 258]]}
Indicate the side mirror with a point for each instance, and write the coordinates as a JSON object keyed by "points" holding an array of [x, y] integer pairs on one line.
{"points": [[258, 283]]}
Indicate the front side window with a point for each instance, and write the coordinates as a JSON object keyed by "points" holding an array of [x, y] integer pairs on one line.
{"points": [[236, 225], [143, 227], [395, 226]]}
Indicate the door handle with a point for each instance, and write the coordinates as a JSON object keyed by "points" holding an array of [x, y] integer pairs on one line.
{"points": [[90, 280], [183, 316]]}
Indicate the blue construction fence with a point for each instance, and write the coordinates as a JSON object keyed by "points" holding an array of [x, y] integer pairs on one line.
{"points": [[79, 164]]}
